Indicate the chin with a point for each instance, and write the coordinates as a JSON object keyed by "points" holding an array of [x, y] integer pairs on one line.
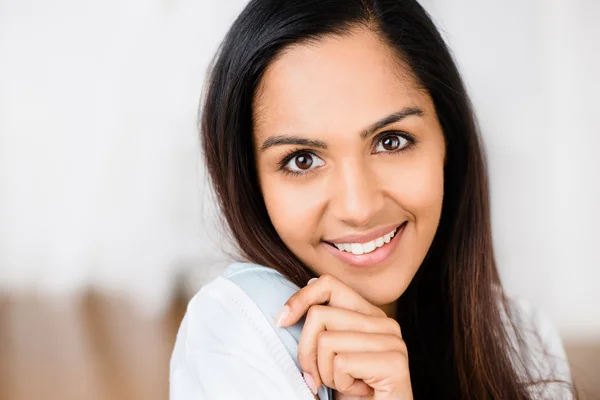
{"points": [[381, 290], [380, 299]]}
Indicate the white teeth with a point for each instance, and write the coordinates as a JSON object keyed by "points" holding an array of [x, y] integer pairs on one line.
{"points": [[369, 247], [363, 248], [357, 248]]}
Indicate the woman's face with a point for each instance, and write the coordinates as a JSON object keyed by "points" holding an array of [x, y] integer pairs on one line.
{"points": [[349, 150]]}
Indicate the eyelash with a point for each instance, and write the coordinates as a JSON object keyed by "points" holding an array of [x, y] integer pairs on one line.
{"points": [[289, 157], [296, 152]]}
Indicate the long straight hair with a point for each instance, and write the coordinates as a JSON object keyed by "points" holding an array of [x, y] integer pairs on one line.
{"points": [[452, 312]]}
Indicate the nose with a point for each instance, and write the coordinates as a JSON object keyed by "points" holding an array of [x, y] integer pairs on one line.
{"points": [[357, 194]]}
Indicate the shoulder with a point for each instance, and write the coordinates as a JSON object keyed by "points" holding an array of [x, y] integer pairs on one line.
{"points": [[538, 351], [267, 288], [246, 297], [228, 330], [213, 323]]}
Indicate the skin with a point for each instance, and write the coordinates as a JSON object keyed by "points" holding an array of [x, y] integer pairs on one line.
{"points": [[330, 91]]}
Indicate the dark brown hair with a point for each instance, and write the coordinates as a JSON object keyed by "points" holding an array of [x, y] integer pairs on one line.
{"points": [[451, 313]]}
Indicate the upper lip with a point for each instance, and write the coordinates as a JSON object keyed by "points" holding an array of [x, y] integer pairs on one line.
{"points": [[364, 237]]}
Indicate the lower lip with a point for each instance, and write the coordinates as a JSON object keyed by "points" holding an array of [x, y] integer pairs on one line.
{"points": [[373, 258]]}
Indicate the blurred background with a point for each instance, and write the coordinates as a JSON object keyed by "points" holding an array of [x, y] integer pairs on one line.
{"points": [[107, 226]]}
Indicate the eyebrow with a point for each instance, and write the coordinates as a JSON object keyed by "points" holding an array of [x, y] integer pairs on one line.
{"points": [[390, 119], [279, 140]]}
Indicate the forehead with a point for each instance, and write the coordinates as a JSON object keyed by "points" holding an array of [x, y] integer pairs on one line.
{"points": [[335, 83]]}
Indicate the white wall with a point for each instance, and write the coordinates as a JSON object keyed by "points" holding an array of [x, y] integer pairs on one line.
{"points": [[100, 179], [532, 70]]}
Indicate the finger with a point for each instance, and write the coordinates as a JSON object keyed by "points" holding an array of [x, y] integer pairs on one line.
{"points": [[331, 343], [326, 318], [385, 372], [358, 390], [326, 290]]}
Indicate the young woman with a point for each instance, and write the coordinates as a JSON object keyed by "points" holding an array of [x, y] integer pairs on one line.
{"points": [[342, 146]]}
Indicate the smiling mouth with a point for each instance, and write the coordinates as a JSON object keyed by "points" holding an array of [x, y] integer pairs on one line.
{"points": [[368, 247]]}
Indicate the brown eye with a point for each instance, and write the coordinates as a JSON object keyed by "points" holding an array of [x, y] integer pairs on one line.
{"points": [[391, 143], [303, 161]]}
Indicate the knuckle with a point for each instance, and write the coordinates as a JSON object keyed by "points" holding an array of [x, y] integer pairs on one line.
{"points": [[402, 348], [399, 358], [339, 362], [394, 327], [324, 340], [314, 311], [327, 279]]}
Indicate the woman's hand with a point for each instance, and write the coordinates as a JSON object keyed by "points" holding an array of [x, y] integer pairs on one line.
{"points": [[348, 344]]}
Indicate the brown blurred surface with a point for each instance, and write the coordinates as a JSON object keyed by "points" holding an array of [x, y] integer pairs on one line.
{"points": [[585, 367], [92, 349], [99, 349]]}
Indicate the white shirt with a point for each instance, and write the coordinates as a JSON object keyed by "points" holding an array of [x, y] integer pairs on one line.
{"points": [[228, 346]]}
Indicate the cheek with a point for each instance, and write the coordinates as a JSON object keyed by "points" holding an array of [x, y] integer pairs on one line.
{"points": [[418, 186], [293, 207]]}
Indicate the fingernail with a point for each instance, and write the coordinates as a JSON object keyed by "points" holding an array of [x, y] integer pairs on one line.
{"points": [[283, 314], [310, 382], [311, 281]]}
